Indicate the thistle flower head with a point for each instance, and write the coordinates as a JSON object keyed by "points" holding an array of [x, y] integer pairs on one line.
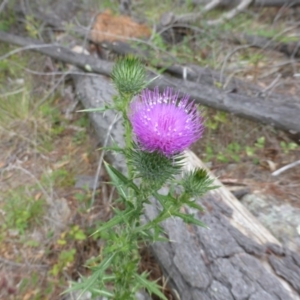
{"points": [[128, 75], [154, 167], [164, 123]]}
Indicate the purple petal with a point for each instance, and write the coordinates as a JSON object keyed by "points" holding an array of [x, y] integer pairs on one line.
{"points": [[163, 122]]}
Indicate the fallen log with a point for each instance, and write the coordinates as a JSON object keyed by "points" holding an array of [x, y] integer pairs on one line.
{"points": [[275, 110], [235, 259]]}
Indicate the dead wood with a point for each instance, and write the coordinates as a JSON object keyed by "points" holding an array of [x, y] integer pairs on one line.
{"points": [[277, 111], [236, 7], [57, 52], [236, 258], [291, 49], [172, 28]]}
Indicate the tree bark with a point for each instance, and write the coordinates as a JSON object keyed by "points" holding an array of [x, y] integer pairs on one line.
{"points": [[283, 113], [235, 259]]}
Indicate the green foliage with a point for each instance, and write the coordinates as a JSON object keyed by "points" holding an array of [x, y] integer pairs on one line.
{"points": [[60, 177], [32, 26], [287, 147], [22, 210], [158, 41], [197, 183], [260, 143], [234, 150], [115, 272], [74, 234], [66, 257], [7, 22], [154, 168], [31, 283], [107, 4], [216, 120], [251, 56], [129, 76], [15, 106]]}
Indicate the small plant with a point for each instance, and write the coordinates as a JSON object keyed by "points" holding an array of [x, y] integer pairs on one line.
{"points": [[250, 151], [232, 152], [30, 287], [22, 210], [287, 147], [216, 120], [65, 259], [159, 126], [32, 26], [260, 142], [60, 177]]}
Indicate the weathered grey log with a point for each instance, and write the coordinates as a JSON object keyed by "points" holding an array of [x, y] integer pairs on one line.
{"points": [[235, 259]]}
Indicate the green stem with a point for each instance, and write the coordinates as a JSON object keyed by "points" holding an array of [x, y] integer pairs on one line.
{"points": [[128, 141]]}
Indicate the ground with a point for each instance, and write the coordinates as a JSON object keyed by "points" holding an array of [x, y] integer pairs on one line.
{"points": [[49, 153]]}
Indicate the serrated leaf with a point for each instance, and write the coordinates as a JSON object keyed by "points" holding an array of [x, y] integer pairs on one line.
{"points": [[193, 204], [113, 148], [86, 285], [189, 219], [163, 199], [118, 178], [152, 287], [103, 293], [117, 219]]}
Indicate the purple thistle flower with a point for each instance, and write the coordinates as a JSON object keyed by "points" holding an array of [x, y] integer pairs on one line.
{"points": [[161, 122]]}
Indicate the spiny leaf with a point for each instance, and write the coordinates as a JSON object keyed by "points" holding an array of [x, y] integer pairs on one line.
{"points": [[152, 287]]}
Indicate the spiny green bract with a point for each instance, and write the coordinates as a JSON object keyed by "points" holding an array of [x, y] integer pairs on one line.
{"points": [[153, 167], [197, 183], [128, 75]]}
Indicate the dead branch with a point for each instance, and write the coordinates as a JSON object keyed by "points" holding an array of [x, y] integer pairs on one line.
{"points": [[238, 7], [231, 14], [283, 114], [213, 4], [59, 53], [2, 5], [285, 168]]}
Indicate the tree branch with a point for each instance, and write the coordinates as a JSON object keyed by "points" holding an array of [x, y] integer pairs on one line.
{"points": [[283, 114]]}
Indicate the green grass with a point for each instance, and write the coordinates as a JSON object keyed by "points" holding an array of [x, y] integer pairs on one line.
{"points": [[21, 209]]}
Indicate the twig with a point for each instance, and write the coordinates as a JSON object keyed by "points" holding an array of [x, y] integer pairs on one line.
{"points": [[227, 58], [285, 168], [116, 119], [29, 47], [47, 196], [272, 85], [3, 4], [51, 91], [213, 4], [231, 14], [13, 93], [15, 264]]}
